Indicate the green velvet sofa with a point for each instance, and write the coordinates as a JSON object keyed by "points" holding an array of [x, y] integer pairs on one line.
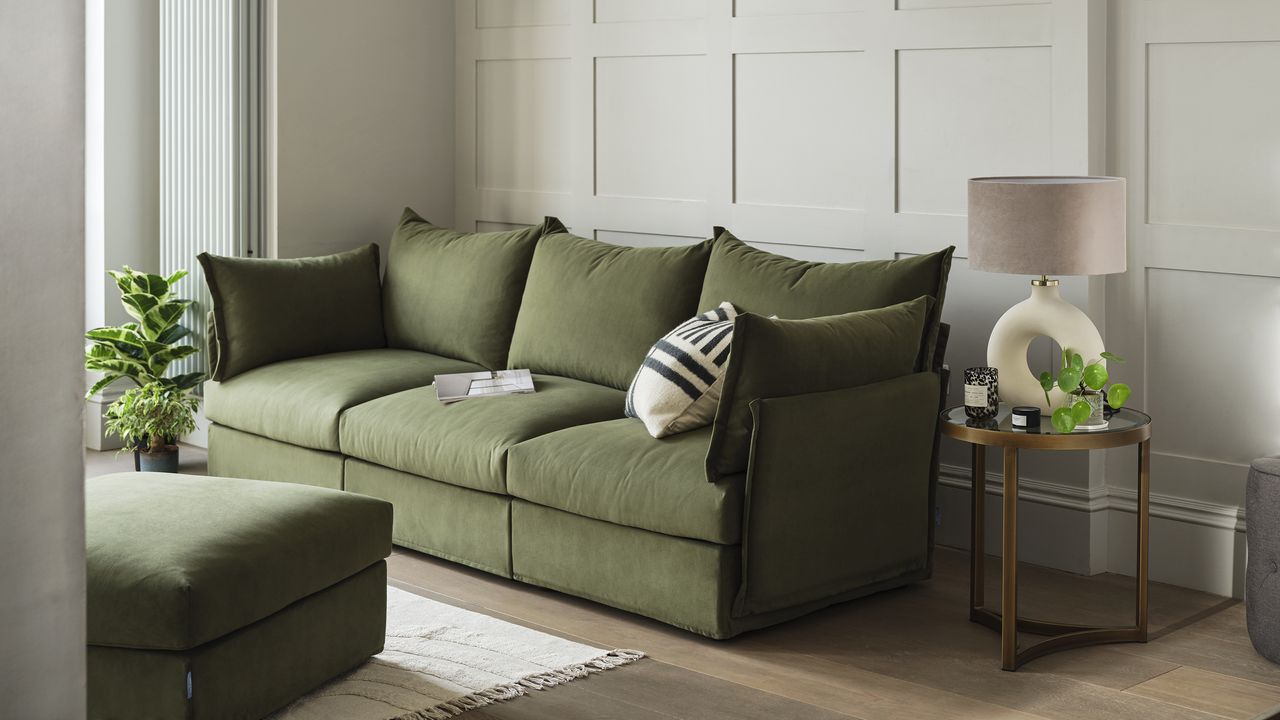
{"points": [[815, 484]]}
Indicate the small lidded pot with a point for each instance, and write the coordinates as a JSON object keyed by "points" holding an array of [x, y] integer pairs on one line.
{"points": [[981, 392]]}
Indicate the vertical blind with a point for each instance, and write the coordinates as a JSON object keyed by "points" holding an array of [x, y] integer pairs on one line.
{"points": [[210, 123]]}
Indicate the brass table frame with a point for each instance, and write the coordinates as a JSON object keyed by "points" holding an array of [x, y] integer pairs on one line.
{"points": [[1007, 622]]}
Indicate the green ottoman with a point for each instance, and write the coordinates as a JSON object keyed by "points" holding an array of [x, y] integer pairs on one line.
{"points": [[224, 598]]}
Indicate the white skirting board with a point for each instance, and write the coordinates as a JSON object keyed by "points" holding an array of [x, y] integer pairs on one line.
{"points": [[1193, 544], [95, 408]]}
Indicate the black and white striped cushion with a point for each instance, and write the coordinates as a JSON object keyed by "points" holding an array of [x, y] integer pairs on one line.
{"points": [[678, 386]]}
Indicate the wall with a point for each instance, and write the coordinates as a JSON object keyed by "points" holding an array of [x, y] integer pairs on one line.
{"points": [[42, 192], [823, 129], [844, 130], [364, 120], [1196, 129], [122, 223]]}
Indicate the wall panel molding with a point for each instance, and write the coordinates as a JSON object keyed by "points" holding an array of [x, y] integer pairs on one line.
{"points": [[1204, 274]]}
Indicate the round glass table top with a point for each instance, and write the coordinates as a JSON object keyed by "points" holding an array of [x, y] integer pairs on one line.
{"points": [[1124, 426]]}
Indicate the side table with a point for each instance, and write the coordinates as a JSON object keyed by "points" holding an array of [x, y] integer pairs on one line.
{"points": [[1126, 427]]}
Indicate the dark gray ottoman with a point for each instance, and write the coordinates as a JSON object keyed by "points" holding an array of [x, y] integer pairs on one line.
{"points": [[214, 598], [1262, 579]]}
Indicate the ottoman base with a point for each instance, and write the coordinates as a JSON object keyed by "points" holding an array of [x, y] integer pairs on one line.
{"points": [[253, 671]]}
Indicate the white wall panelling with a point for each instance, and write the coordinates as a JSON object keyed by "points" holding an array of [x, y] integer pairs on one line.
{"points": [[780, 120], [1193, 129], [520, 114], [844, 130], [520, 13], [1219, 91], [648, 123]]}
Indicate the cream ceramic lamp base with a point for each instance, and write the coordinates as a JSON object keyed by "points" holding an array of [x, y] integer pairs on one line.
{"points": [[1044, 313]]}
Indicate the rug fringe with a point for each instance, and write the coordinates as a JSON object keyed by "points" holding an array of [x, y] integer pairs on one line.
{"points": [[510, 691]]}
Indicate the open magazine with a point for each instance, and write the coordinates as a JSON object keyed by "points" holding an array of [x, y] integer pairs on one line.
{"points": [[452, 387]]}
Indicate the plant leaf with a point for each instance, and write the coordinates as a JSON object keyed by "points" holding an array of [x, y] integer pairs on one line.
{"points": [[1080, 411], [1046, 381], [100, 350], [153, 285], [186, 381], [1069, 378], [164, 316], [127, 367], [1063, 421], [1112, 357], [1077, 362], [160, 361], [138, 304], [125, 335], [123, 281], [175, 277], [173, 334], [1117, 395], [1095, 376], [98, 386]]}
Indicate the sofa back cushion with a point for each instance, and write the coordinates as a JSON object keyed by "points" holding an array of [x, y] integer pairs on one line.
{"points": [[767, 284], [772, 358], [268, 310], [592, 310], [455, 294]]}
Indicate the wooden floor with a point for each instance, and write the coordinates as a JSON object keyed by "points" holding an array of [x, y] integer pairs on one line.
{"points": [[906, 653]]}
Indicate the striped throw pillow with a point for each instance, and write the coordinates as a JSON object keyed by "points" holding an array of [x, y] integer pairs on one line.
{"points": [[678, 386]]}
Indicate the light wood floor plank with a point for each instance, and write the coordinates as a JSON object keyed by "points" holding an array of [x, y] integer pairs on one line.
{"points": [[1217, 644], [748, 660], [1211, 692]]}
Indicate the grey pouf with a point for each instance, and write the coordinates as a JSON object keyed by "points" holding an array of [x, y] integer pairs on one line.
{"points": [[1262, 578]]}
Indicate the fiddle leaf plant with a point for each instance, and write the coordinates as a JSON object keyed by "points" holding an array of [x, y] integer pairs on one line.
{"points": [[142, 351], [1075, 379]]}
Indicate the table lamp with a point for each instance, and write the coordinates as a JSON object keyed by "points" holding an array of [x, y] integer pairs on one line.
{"points": [[1044, 226]]}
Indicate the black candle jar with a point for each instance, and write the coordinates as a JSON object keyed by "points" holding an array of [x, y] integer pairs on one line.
{"points": [[981, 392]]}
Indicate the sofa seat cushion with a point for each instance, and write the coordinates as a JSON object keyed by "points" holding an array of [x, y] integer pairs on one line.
{"points": [[299, 401], [466, 443], [614, 471], [175, 561]]}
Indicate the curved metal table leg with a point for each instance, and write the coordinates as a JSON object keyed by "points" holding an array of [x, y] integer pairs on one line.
{"points": [[1063, 636]]}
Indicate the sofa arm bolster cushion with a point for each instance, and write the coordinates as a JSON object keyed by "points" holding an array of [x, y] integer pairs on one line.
{"points": [[770, 357], [838, 491], [265, 310]]}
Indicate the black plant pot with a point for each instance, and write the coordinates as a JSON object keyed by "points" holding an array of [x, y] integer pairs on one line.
{"points": [[164, 461]]}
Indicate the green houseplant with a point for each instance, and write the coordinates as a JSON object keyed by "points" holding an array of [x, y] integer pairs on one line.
{"points": [[153, 414], [148, 418], [1085, 385]]}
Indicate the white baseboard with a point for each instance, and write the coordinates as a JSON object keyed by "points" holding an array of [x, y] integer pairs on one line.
{"points": [[95, 433], [1194, 544], [200, 436]]}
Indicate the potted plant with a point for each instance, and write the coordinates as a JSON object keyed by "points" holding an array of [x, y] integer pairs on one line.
{"points": [[150, 419], [1087, 396], [152, 415]]}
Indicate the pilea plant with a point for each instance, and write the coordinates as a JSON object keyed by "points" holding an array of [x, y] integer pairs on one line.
{"points": [[1075, 379]]}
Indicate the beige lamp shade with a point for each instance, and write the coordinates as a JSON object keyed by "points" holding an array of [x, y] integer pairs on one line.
{"points": [[1047, 225]]}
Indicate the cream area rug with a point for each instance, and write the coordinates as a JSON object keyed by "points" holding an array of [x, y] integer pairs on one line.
{"points": [[441, 661]]}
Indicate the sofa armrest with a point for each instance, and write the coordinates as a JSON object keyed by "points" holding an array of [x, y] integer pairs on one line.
{"points": [[838, 491]]}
